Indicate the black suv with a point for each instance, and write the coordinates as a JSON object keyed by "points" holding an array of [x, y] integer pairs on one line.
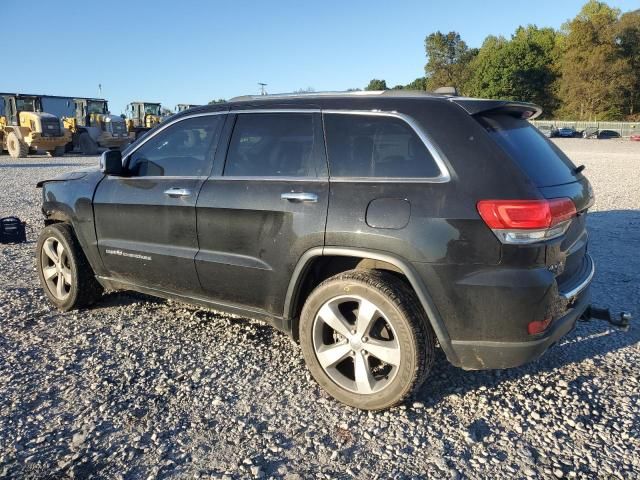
{"points": [[368, 226]]}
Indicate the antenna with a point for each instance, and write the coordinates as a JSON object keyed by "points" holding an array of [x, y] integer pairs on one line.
{"points": [[99, 90], [262, 89]]}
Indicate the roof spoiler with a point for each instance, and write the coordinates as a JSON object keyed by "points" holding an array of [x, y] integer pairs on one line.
{"points": [[452, 91], [476, 106]]}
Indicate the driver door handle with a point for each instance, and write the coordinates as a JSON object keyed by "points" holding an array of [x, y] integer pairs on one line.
{"points": [[177, 192], [299, 197]]}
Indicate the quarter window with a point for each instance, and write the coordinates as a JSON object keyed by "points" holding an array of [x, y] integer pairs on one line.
{"points": [[376, 146], [272, 145], [183, 149]]}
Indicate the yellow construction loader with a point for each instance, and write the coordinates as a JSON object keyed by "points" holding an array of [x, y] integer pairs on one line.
{"points": [[25, 128], [142, 117], [92, 126], [181, 107]]}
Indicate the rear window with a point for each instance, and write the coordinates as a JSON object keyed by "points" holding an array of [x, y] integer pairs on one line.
{"points": [[541, 160], [376, 146]]}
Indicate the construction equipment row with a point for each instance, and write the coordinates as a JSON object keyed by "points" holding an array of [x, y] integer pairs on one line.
{"points": [[57, 125]]}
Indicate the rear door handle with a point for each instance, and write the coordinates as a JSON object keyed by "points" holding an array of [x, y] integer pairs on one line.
{"points": [[299, 197], [177, 192]]}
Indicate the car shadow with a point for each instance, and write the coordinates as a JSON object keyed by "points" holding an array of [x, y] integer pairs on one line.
{"points": [[613, 243]]}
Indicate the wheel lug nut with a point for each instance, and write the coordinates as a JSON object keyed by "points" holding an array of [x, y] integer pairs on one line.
{"points": [[364, 339], [353, 332]]}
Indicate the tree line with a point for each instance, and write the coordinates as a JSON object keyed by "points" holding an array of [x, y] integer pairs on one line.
{"points": [[587, 70]]}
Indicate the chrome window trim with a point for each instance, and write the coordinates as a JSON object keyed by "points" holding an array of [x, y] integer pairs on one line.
{"points": [[444, 176], [162, 128], [270, 178]]}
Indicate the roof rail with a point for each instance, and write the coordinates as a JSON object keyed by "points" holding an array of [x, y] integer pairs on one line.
{"points": [[307, 94]]}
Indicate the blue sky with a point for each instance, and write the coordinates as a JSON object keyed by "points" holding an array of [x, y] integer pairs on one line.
{"points": [[191, 51]]}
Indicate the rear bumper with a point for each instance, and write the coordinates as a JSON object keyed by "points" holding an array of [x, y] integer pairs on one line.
{"points": [[570, 302], [490, 355]]}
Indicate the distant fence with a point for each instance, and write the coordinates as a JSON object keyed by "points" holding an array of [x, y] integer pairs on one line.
{"points": [[624, 129]]}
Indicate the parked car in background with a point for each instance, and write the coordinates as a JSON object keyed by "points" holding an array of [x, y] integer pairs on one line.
{"points": [[590, 132], [635, 137], [567, 132], [606, 134], [370, 227], [548, 130]]}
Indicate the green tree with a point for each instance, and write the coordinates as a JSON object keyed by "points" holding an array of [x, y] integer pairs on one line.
{"points": [[419, 83], [376, 84], [628, 39], [522, 68], [595, 75], [448, 59], [220, 100]]}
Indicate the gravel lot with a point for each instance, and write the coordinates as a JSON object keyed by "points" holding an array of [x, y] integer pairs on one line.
{"points": [[143, 388]]}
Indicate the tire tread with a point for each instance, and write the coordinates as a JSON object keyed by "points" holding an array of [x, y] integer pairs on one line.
{"points": [[405, 300]]}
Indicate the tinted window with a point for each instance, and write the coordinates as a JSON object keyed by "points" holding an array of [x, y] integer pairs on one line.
{"points": [[376, 146], [265, 144], [540, 159], [183, 149]]}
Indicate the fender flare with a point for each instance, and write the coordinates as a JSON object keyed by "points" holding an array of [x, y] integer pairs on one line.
{"points": [[405, 267], [16, 130]]}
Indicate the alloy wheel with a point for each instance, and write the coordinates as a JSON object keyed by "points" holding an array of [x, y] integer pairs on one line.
{"points": [[56, 268], [356, 344]]}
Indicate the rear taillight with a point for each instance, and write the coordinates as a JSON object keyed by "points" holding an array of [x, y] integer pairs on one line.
{"points": [[527, 221]]}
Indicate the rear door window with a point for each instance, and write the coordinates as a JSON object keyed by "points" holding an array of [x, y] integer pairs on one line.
{"points": [[272, 145], [376, 146], [538, 157]]}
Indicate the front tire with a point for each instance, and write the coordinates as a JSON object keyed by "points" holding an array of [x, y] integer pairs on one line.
{"points": [[16, 147], [65, 274], [366, 339]]}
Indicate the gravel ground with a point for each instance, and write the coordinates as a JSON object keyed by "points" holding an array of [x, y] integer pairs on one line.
{"points": [[143, 388]]}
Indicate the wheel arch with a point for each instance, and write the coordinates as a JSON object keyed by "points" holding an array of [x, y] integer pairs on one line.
{"points": [[362, 258], [15, 129]]}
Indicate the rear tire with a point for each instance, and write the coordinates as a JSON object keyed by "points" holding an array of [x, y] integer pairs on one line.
{"points": [[16, 147], [366, 339], [65, 274], [87, 145]]}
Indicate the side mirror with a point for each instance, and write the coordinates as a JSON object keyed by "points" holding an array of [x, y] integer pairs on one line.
{"points": [[111, 163]]}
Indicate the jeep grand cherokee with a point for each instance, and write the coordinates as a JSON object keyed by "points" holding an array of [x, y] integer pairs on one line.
{"points": [[369, 227]]}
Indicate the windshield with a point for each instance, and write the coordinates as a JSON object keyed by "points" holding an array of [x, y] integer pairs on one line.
{"points": [[26, 104], [152, 109], [541, 160], [97, 107]]}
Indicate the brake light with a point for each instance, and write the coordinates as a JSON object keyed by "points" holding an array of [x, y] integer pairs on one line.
{"points": [[527, 221]]}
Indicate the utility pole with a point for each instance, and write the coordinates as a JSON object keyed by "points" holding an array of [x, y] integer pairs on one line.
{"points": [[262, 89], [99, 90]]}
